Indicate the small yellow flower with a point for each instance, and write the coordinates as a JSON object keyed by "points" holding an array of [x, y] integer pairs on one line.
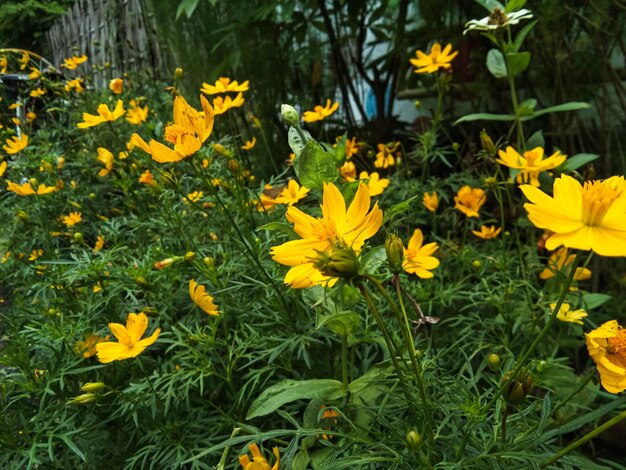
{"points": [[135, 114], [384, 157], [24, 60], [292, 193], [418, 258], [258, 462], [73, 62], [104, 115], [87, 347], [221, 105], [30, 117], [77, 85], [224, 85], [37, 92], [3, 168], [72, 219], [116, 85], [130, 343], [199, 295], [15, 144], [607, 348], [5, 257], [249, 145], [147, 178], [567, 315], [375, 185], [267, 198], [431, 201], [435, 60], [193, 197], [34, 74], [469, 200], [487, 233], [106, 158], [35, 254], [3, 63], [99, 243], [560, 261], [26, 189], [352, 147], [348, 171], [530, 164], [319, 112]]}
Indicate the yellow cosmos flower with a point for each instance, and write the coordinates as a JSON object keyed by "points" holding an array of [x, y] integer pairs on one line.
{"points": [[267, 198], [352, 147], [249, 145], [24, 60], [567, 315], [292, 193], [130, 343], [34, 74], [104, 115], [487, 233], [221, 105], [73, 62], [348, 171], [469, 200], [560, 261], [3, 168], [337, 228], [37, 92], [607, 348], [199, 295], [258, 462], [319, 112], [76, 85], [435, 60], [87, 347], [418, 258], [193, 197], [116, 85], [530, 164], [72, 219], [147, 178], [589, 217], [106, 158], [188, 132], [35, 254], [99, 243], [136, 114], [15, 144], [26, 189], [3, 63], [374, 183], [431, 201], [384, 157], [30, 117], [224, 85]]}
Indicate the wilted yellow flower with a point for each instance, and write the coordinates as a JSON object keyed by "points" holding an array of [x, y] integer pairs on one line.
{"points": [[88, 347], [567, 315], [35, 254], [224, 85], [72, 219], [374, 183], [431, 201], [292, 193], [418, 258], [487, 233], [106, 158], [221, 105], [37, 92], [469, 200], [320, 112], [560, 261], [116, 85], [135, 114], [26, 189], [76, 84], [249, 145], [34, 74], [188, 132], [435, 60], [15, 144], [130, 343], [73, 62], [336, 229], [589, 217], [104, 115], [530, 164], [99, 243], [258, 462], [384, 157], [607, 348], [198, 294]]}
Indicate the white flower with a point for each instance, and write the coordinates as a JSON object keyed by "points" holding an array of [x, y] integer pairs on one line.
{"points": [[497, 19]]}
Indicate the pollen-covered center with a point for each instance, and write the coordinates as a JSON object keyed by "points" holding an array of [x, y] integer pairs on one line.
{"points": [[326, 230], [533, 158], [597, 199], [617, 344]]}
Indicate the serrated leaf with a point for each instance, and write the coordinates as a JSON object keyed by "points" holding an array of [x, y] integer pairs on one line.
{"points": [[314, 166], [291, 390], [495, 63], [579, 160]]}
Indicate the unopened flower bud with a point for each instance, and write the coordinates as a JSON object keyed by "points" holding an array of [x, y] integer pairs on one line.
{"points": [[83, 399], [517, 389], [395, 253], [23, 216], [456, 146], [165, 263], [78, 237], [339, 262], [190, 255], [141, 281], [476, 264], [92, 386], [233, 166], [178, 73], [494, 362], [223, 151], [290, 115], [209, 262], [413, 441], [487, 144]]}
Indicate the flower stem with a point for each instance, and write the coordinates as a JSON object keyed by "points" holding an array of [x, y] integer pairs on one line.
{"points": [[344, 360]]}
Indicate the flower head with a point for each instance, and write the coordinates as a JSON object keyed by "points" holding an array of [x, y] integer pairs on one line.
{"points": [[384, 157], [104, 115], [34, 74], [585, 217], [348, 171], [76, 85], [136, 114], [129, 339], [292, 193], [469, 200], [15, 144], [418, 258], [99, 243], [73, 62], [487, 233], [258, 462], [497, 19], [72, 219], [37, 92], [320, 112], [147, 178], [224, 85], [199, 295], [560, 261], [375, 184], [607, 348], [435, 60], [530, 164], [337, 228], [87, 347], [431, 201], [221, 105], [565, 314], [116, 85], [249, 145], [26, 189], [3, 167], [106, 158]]}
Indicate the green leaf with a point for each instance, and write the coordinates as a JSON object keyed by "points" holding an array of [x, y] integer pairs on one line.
{"points": [[527, 107], [187, 7], [484, 117], [279, 227], [496, 64], [399, 208], [291, 390], [536, 140], [314, 166], [514, 5], [342, 323], [592, 301], [519, 39], [490, 5], [576, 161], [296, 141], [517, 62], [559, 108]]}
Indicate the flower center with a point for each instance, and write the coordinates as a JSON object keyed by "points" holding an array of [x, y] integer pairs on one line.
{"points": [[597, 199], [617, 344]]}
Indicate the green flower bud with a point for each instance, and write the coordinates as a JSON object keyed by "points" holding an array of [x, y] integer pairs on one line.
{"points": [[78, 237], [83, 399], [189, 256], [92, 386], [413, 441], [516, 391], [339, 262], [290, 115], [223, 151], [394, 248], [23, 216], [178, 73], [476, 264], [494, 362], [487, 144]]}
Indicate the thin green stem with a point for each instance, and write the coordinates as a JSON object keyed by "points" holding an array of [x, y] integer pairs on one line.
{"points": [[344, 360]]}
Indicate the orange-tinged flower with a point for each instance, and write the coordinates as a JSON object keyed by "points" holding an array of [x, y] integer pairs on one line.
{"points": [[418, 258], [589, 217], [130, 343], [249, 145], [267, 198], [320, 112], [352, 147], [221, 105], [104, 115], [37, 92], [106, 158], [566, 314], [147, 178], [15, 144], [530, 164], [99, 243], [431, 201], [72, 219], [136, 114], [487, 233], [224, 85], [336, 229], [258, 462], [88, 347], [199, 295], [384, 157], [26, 189], [469, 200], [435, 60], [292, 193], [560, 261], [116, 85], [607, 348], [73, 62]]}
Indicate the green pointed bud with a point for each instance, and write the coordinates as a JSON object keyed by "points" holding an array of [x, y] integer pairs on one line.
{"points": [[189, 256], [178, 73], [487, 144], [395, 252], [494, 362], [413, 441], [92, 386], [516, 391], [83, 399], [223, 151], [290, 115], [339, 262]]}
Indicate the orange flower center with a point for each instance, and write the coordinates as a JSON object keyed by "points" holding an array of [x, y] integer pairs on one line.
{"points": [[617, 344], [597, 199], [326, 230]]}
